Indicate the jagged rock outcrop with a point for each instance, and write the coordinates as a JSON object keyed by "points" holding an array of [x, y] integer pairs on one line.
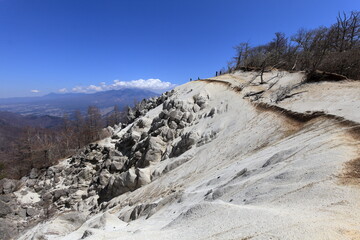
{"points": [[77, 183], [98, 173], [147, 142]]}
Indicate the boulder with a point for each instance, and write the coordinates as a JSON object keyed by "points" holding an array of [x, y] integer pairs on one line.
{"points": [[187, 141], [116, 166], [50, 172], [196, 108], [154, 151], [129, 179], [38, 187], [158, 124], [164, 114], [114, 153], [34, 173], [8, 185], [47, 197], [167, 105], [104, 177], [47, 184], [56, 179], [118, 185], [30, 183], [176, 115], [182, 124], [173, 125], [190, 118], [169, 134], [60, 193], [94, 157], [31, 212], [4, 209], [144, 122], [21, 212], [201, 99], [185, 116], [85, 174], [144, 176], [178, 103], [7, 198], [107, 164], [136, 136], [191, 138]]}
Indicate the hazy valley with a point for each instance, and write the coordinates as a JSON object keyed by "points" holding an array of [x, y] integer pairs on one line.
{"points": [[58, 104]]}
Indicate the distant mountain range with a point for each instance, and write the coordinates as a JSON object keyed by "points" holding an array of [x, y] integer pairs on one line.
{"points": [[55, 104]]}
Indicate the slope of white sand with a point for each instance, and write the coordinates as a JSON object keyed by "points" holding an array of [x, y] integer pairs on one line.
{"points": [[264, 175]]}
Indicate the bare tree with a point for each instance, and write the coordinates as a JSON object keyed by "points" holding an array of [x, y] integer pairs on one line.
{"points": [[93, 123], [242, 51]]}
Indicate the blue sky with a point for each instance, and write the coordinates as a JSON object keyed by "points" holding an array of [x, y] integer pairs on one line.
{"points": [[47, 45]]}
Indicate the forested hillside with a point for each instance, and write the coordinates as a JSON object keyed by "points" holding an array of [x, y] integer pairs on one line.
{"points": [[334, 49]]}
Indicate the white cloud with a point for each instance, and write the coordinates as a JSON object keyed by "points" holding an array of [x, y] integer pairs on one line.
{"points": [[79, 89], [35, 91], [149, 84], [63, 90], [95, 88]]}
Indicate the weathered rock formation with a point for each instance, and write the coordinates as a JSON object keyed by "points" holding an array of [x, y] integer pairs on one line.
{"points": [[222, 158]]}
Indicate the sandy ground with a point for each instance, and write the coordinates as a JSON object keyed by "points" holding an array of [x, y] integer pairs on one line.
{"points": [[262, 174]]}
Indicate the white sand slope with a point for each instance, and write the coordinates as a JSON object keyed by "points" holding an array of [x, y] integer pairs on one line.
{"points": [[258, 172]]}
